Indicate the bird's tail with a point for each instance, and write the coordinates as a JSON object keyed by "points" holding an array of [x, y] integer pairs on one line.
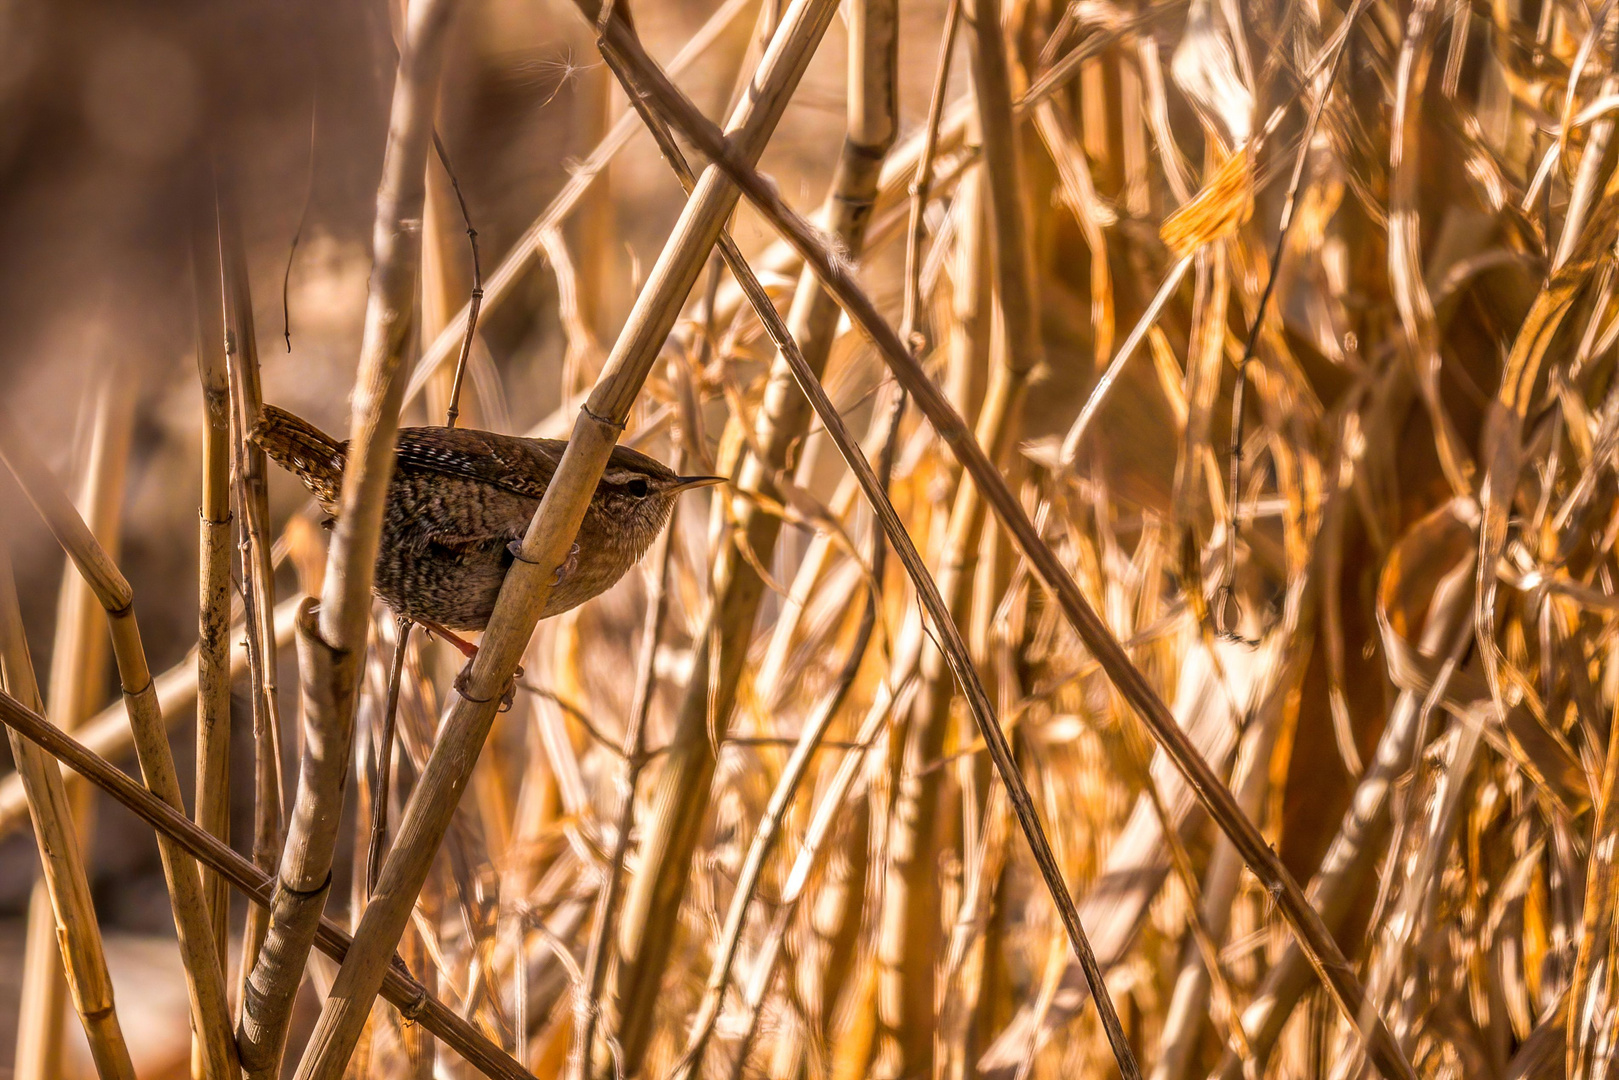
{"points": [[304, 450]]}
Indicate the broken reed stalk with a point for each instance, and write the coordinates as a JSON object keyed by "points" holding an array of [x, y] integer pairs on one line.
{"points": [[77, 680], [78, 934], [1325, 956], [213, 562], [332, 643], [545, 547], [204, 976], [909, 940], [681, 793], [108, 733], [170, 824], [951, 642], [531, 244]]}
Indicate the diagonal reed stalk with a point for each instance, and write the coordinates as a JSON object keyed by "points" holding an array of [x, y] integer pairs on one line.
{"points": [[501, 283], [332, 642], [204, 977], [910, 936], [952, 644], [78, 935], [77, 679], [398, 986], [545, 548], [1325, 956], [108, 734], [680, 797]]}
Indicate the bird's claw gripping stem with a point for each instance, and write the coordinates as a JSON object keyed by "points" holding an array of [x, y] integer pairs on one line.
{"points": [[507, 696], [569, 565]]}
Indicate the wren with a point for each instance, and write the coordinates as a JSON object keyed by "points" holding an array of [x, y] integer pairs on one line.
{"points": [[459, 504]]}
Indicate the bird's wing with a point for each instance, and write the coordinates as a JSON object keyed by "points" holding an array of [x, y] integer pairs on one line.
{"points": [[520, 466], [459, 514]]}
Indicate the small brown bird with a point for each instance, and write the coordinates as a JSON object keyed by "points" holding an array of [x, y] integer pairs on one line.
{"points": [[459, 504]]}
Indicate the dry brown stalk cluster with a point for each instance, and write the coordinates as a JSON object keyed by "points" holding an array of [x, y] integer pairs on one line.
{"points": [[1161, 621]]}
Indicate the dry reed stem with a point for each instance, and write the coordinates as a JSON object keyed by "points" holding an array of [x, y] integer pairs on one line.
{"points": [[545, 549], [213, 562], [332, 643], [398, 987], [766, 835], [204, 976], [77, 679], [681, 795], [248, 468], [77, 932], [108, 734], [1325, 956], [900, 169], [909, 939], [599, 952], [894, 695], [952, 643]]}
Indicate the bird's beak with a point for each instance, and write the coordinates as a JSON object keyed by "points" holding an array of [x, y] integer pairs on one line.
{"points": [[685, 483]]}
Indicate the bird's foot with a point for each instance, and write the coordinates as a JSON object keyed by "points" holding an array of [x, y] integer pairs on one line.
{"points": [[569, 565], [508, 696]]}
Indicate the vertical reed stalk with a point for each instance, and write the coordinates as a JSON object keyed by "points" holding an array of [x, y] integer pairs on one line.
{"points": [[545, 547], [213, 569], [1325, 956], [680, 798], [77, 933], [252, 499], [910, 936], [332, 635], [204, 976], [77, 681]]}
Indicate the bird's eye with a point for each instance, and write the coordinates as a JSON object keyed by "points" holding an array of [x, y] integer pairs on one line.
{"points": [[637, 488]]}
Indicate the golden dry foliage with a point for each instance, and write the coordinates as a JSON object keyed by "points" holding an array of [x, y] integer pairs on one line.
{"points": [[1293, 329]]}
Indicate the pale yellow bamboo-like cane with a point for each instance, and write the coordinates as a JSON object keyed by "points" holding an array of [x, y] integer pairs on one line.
{"points": [[78, 933], [204, 978]]}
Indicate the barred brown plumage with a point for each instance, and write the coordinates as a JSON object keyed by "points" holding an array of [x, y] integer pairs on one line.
{"points": [[459, 501]]}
